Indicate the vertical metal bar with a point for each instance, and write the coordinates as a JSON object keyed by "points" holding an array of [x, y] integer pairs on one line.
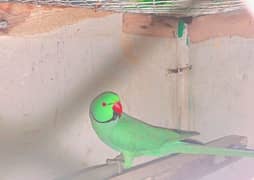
{"points": [[182, 79]]}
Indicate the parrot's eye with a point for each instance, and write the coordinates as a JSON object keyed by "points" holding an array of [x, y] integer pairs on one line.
{"points": [[103, 104]]}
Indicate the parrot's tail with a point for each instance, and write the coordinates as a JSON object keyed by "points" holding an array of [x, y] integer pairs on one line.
{"points": [[186, 148]]}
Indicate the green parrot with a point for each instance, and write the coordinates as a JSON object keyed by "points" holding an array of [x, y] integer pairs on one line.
{"points": [[133, 138]]}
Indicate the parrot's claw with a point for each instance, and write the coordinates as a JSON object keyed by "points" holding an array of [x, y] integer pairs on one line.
{"points": [[117, 160]]}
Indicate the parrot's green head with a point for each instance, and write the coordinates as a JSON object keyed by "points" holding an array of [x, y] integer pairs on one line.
{"points": [[106, 107]]}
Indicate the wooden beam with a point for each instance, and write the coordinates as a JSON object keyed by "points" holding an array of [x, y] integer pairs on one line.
{"points": [[182, 167], [149, 25], [240, 23]]}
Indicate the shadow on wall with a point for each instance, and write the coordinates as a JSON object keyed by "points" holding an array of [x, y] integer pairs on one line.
{"points": [[113, 70]]}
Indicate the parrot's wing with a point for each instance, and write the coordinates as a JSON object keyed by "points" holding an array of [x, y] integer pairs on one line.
{"points": [[184, 134], [137, 136]]}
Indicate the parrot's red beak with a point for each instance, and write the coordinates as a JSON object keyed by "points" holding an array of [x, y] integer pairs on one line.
{"points": [[117, 107]]}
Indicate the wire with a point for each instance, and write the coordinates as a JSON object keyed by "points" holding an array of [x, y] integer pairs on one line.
{"points": [[178, 8]]}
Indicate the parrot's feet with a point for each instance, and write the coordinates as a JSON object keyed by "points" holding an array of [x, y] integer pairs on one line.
{"points": [[117, 160], [124, 161]]}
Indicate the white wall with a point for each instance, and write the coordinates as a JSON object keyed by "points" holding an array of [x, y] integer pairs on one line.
{"points": [[48, 81], [222, 95]]}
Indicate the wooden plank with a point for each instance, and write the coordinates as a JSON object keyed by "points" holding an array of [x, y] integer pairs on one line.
{"points": [[27, 19], [240, 23], [182, 167], [149, 25]]}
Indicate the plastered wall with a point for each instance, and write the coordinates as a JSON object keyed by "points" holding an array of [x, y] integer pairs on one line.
{"points": [[222, 86], [48, 81]]}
